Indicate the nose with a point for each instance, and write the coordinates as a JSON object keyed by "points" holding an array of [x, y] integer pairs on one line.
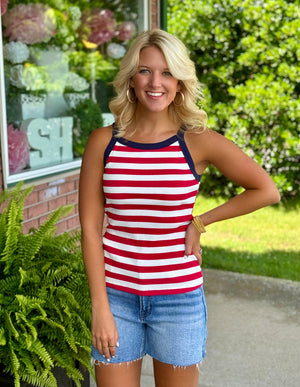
{"points": [[155, 80]]}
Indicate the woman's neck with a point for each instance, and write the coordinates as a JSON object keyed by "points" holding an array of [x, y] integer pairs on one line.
{"points": [[152, 127]]}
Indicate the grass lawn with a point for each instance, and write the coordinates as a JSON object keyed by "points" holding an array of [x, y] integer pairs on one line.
{"points": [[266, 242]]}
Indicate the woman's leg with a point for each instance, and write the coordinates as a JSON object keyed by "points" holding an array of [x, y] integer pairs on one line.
{"points": [[167, 375], [126, 374]]}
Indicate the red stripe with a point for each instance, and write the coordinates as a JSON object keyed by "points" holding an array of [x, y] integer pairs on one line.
{"points": [[153, 292], [151, 269], [146, 160], [153, 281], [147, 231], [143, 243], [150, 219], [146, 256], [161, 197]]}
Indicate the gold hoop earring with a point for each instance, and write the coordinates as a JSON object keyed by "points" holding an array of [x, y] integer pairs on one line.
{"points": [[128, 96], [182, 99]]}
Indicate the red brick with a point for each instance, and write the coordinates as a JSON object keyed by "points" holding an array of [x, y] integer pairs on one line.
{"points": [[58, 202], [66, 187], [37, 210], [73, 223], [72, 198], [32, 198]]}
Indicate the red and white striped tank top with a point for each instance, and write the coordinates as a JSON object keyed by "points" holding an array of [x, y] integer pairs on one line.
{"points": [[150, 190]]}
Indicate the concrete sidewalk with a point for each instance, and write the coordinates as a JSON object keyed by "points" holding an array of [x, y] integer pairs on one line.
{"points": [[253, 332]]}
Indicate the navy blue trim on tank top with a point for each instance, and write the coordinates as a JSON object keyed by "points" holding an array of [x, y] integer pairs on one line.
{"points": [[109, 148], [187, 155], [150, 146]]}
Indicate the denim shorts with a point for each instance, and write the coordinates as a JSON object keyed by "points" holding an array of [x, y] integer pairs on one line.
{"points": [[169, 328]]}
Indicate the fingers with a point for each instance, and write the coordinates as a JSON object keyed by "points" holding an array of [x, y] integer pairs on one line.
{"points": [[191, 238], [192, 243], [107, 347], [104, 333], [109, 350], [198, 255]]}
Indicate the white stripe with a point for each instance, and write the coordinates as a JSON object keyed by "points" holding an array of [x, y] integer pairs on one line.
{"points": [[181, 285], [143, 249], [171, 203], [179, 177], [151, 190], [146, 155], [144, 212], [148, 262], [147, 166], [155, 275], [149, 225]]}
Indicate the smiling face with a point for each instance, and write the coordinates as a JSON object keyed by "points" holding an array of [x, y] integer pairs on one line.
{"points": [[154, 85]]}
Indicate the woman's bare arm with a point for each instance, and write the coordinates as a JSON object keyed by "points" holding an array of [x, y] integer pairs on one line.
{"points": [[91, 211], [259, 189]]}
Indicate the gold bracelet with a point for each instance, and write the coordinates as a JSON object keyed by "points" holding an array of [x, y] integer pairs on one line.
{"points": [[197, 222]]}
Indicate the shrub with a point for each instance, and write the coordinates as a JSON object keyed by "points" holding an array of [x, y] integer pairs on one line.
{"points": [[247, 56], [44, 298]]}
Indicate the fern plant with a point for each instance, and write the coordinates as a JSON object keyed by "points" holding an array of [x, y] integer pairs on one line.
{"points": [[44, 298]]}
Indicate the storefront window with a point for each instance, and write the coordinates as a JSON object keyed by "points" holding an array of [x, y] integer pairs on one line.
{"points": [[59, 58]]}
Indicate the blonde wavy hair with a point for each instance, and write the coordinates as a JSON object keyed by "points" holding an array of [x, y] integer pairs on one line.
{"points": [[187, 114]]}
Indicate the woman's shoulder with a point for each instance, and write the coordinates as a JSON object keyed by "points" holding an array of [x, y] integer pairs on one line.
{"points": [[201, 136], [102, 134], [207, 142], [99, 139]]}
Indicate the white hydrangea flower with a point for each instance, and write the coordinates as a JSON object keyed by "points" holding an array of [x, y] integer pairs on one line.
{"points": [[76, 82], [16, 52], [115, 50], [16, 76], [30, 78]]}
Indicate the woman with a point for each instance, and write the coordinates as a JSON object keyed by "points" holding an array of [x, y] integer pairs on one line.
{"points": [[144, 172]]}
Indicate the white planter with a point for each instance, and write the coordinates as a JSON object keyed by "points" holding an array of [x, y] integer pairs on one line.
{"points": [[32, 106]]}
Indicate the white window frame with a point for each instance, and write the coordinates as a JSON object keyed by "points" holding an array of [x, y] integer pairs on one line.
{"points": [[41, 173]]}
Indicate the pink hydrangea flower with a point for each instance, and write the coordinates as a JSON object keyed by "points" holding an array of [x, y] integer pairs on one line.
{"points": [[18, 149], [4, 4], [97, 25], [30, 23], [126, 31]]}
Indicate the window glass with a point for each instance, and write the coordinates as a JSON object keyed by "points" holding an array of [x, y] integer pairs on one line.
{"points": [[59, 58]]}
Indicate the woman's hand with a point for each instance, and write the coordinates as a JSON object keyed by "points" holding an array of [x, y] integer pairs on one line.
{"points": [[192, 243], [104, 333]]}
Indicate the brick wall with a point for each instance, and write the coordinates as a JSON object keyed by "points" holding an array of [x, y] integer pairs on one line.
{"points": [[47, 197], [64, 190]]}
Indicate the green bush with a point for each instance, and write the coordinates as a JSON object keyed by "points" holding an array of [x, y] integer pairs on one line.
{"points": [[247, 57], [44, 298], [87, 116]]}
